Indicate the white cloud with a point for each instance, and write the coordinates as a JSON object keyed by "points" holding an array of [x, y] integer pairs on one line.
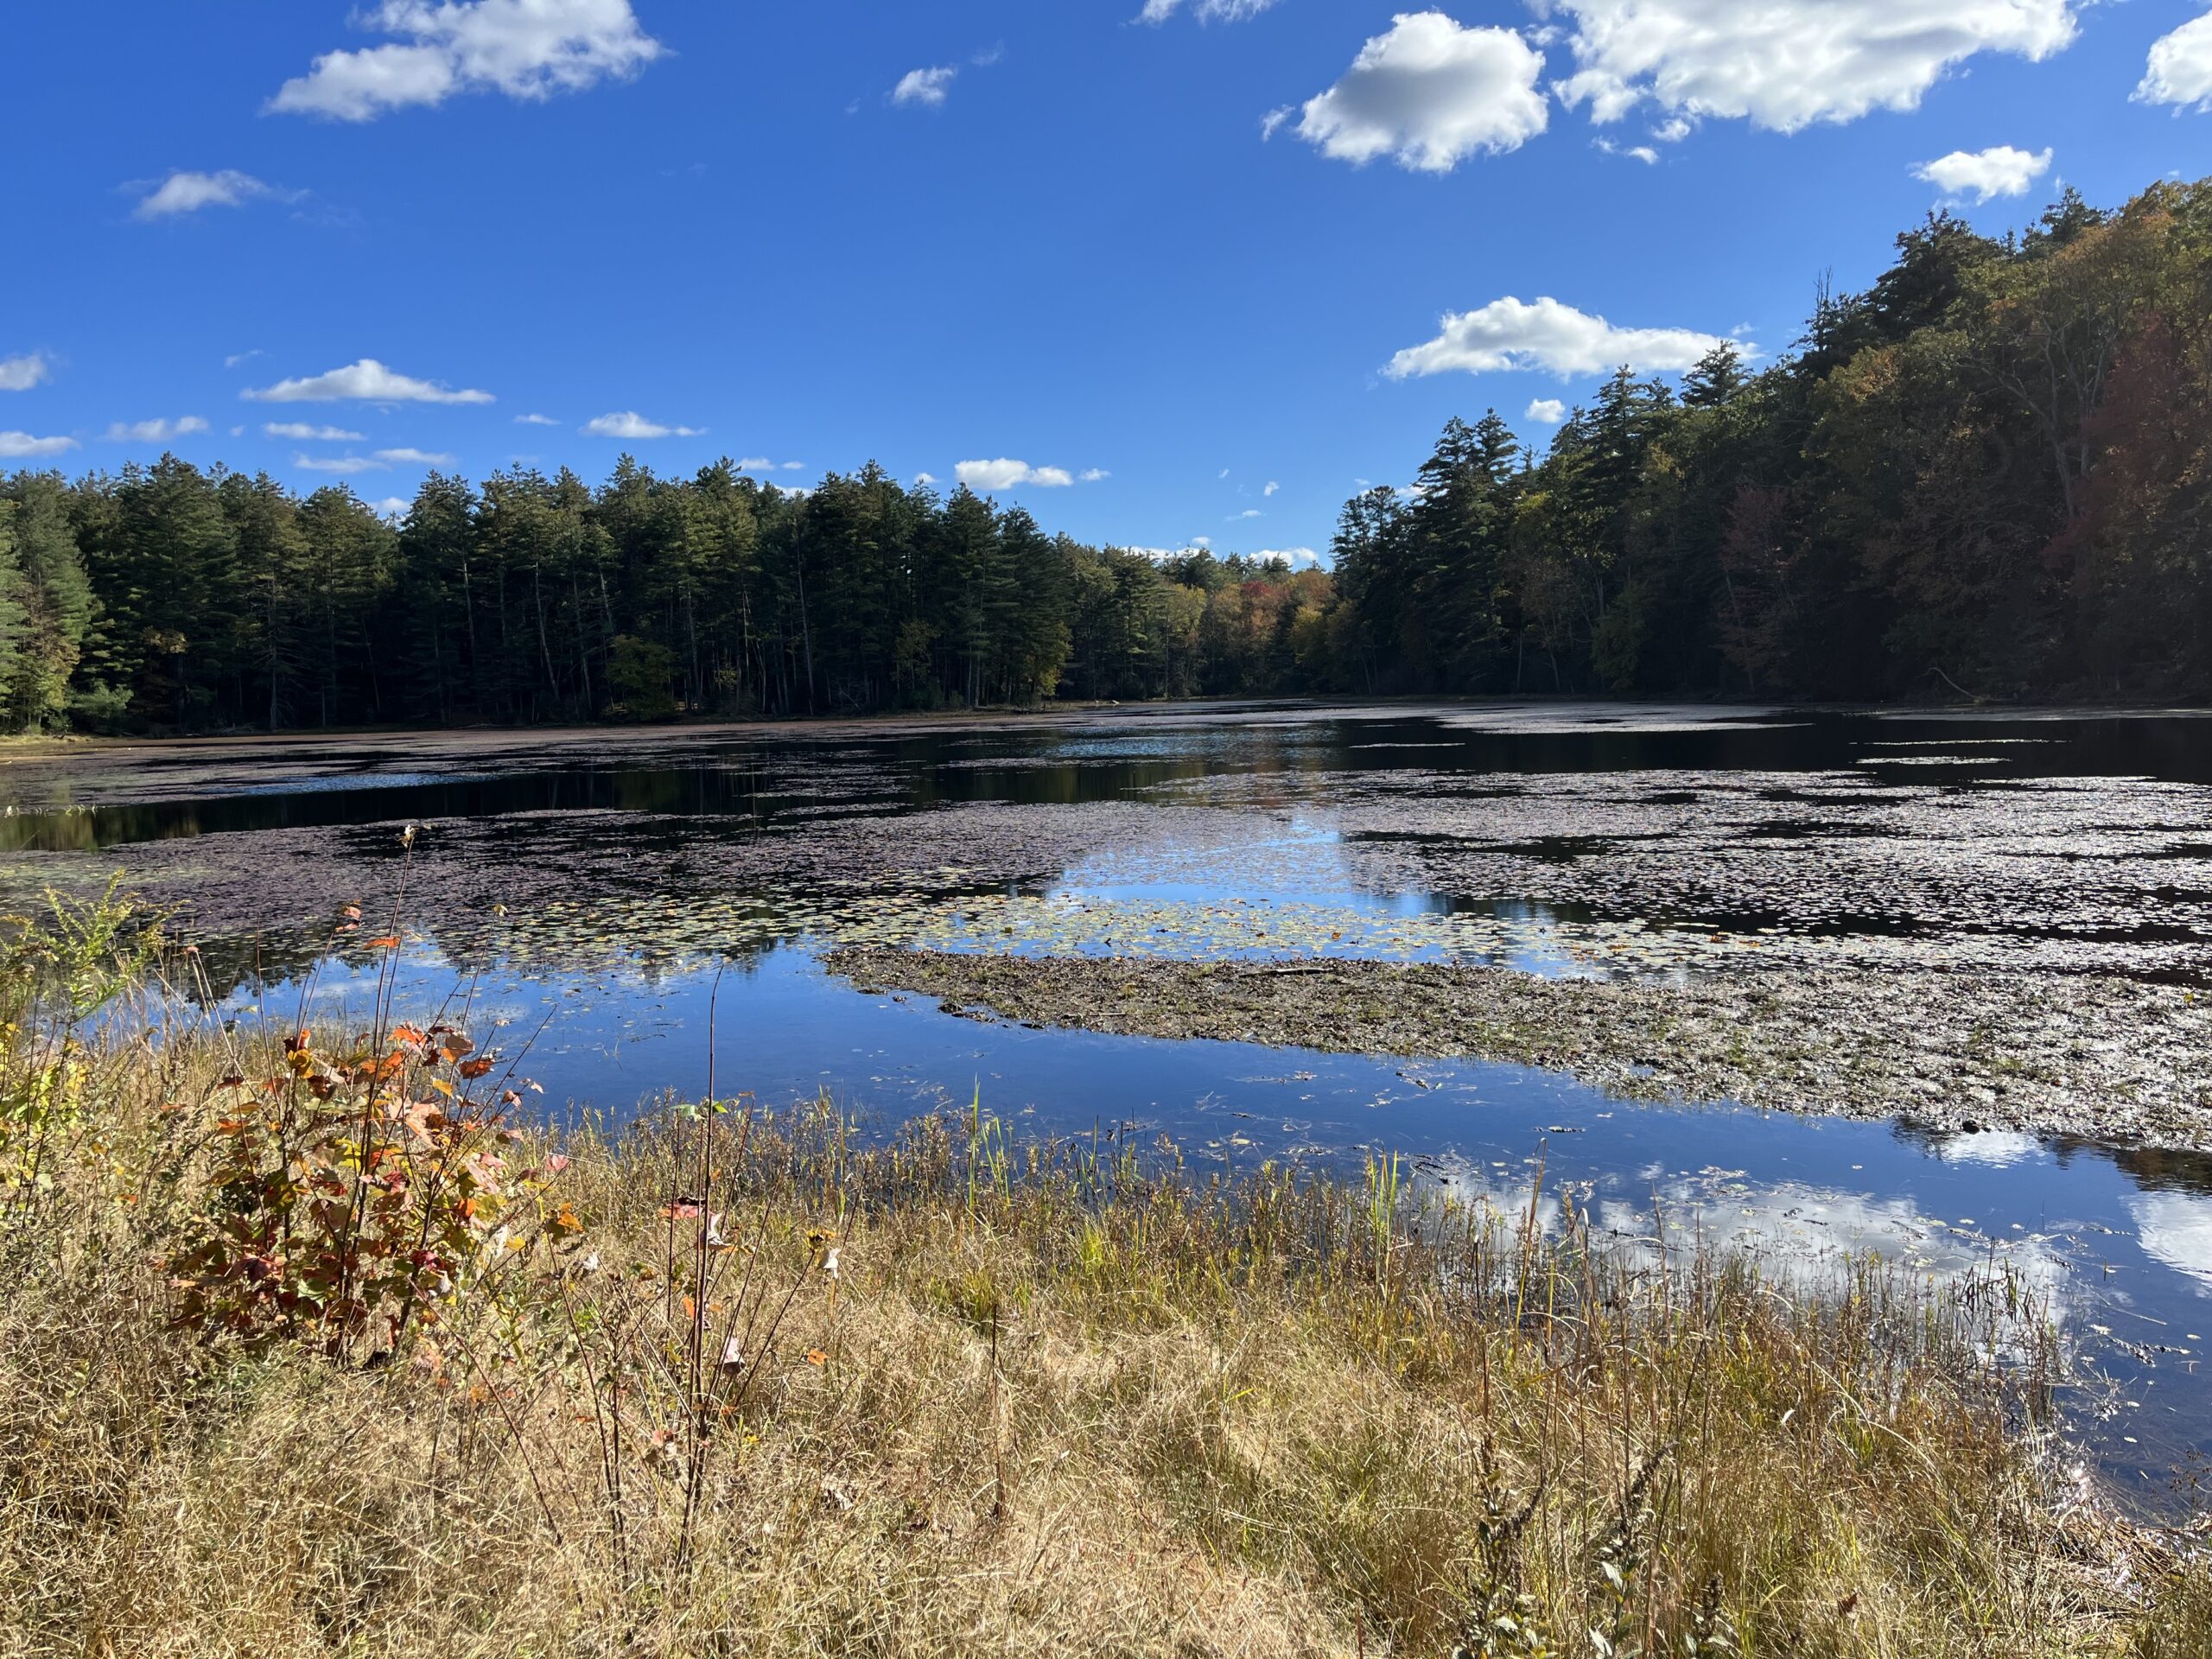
{"points": [[367, 381], [1510, 335], [794, 466], [22, 374], [1642, 153], [2003, 171], [300, 432], [13, 445], [188, 193], [536, 420], [628, 423], [392, 506], [1096, 474], [154, 431], [413, 458], [1248, 513], [1298, 558], [237, 358], [925, 86], [1206, 12], [343, 466], [526, 48], [1272, 488], [1005, 474], [1785, 64], [1430, 93], [923, 480], [1550, 410], [2180, 69]]}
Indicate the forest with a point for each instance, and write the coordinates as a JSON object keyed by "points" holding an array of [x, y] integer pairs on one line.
{"points": [[1989, 474]]}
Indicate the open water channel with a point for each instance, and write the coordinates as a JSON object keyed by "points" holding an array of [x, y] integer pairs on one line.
{"points": [[583, 894]]}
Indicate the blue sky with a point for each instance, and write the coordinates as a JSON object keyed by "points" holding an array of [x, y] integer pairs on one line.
{"points": [[1160, 270]]}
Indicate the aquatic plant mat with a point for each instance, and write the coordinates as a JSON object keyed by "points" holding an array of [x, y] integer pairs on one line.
{"points": [[1953, 1050], [306, 1347]]}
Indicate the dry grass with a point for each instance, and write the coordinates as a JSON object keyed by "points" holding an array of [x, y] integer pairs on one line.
{"points": [[1058, 1403]]}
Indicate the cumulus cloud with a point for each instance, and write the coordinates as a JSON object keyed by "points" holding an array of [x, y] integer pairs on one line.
{"points": [[628, 423], [524, 49], [1272, 488], [22, 374], [159, 431], [536, 420], [392, 506], [923, 480], [1298, 558], [1006, 474], [1785, 64], [1248, 513], [2002, 171], [300, 432], [1429, 93], [413, 458], [1550, 410], [927, 87], [343, 466], [1096, 474], [14, 446], [1206, 12], [367, 382], [2180, 70], [188, 193], [1510, 335]]}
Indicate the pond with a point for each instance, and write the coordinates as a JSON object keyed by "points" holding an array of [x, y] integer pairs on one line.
{"points": [[589, 896]]}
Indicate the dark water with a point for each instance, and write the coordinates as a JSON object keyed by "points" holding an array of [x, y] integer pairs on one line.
{"points": [[586, 896]]}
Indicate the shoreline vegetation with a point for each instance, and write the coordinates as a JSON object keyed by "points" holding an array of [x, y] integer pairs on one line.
{"points": [[311, 1343], [1981, 477], [1952, 1051]]}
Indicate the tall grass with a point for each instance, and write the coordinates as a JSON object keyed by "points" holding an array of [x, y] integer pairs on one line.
{"points": [[309, 1343]]}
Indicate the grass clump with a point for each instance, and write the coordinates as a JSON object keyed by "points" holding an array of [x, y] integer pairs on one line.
{"points": [[310, 1343]]}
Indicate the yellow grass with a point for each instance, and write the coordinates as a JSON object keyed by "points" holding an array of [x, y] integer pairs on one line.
{"points": [[1071, 1401]]}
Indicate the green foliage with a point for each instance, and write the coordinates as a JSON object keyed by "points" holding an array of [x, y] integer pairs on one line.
{"points": [[640, 675], [56, 972], [1990, 471]]}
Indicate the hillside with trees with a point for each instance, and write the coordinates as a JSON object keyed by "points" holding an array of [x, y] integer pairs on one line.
{"points": [[1990, 472]]}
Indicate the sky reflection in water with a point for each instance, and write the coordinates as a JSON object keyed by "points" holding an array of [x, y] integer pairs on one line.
{"points": [[2119, 1240]]}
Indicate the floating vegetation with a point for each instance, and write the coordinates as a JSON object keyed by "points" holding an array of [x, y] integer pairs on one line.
{"points": [[1954, 1051]]}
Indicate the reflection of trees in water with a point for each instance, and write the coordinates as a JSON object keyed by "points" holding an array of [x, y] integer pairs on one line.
{"points": [[2152, 1169], [588, 936], [229, 968]]}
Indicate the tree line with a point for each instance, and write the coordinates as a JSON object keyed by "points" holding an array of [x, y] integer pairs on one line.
{"points": [[1989, 473], [168, 598]]}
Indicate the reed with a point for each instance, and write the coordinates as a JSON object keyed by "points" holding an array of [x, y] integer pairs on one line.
{"points": [[312, 1342]]}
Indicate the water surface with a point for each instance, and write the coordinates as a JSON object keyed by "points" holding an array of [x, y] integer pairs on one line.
{"points": [[586, 893]]}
